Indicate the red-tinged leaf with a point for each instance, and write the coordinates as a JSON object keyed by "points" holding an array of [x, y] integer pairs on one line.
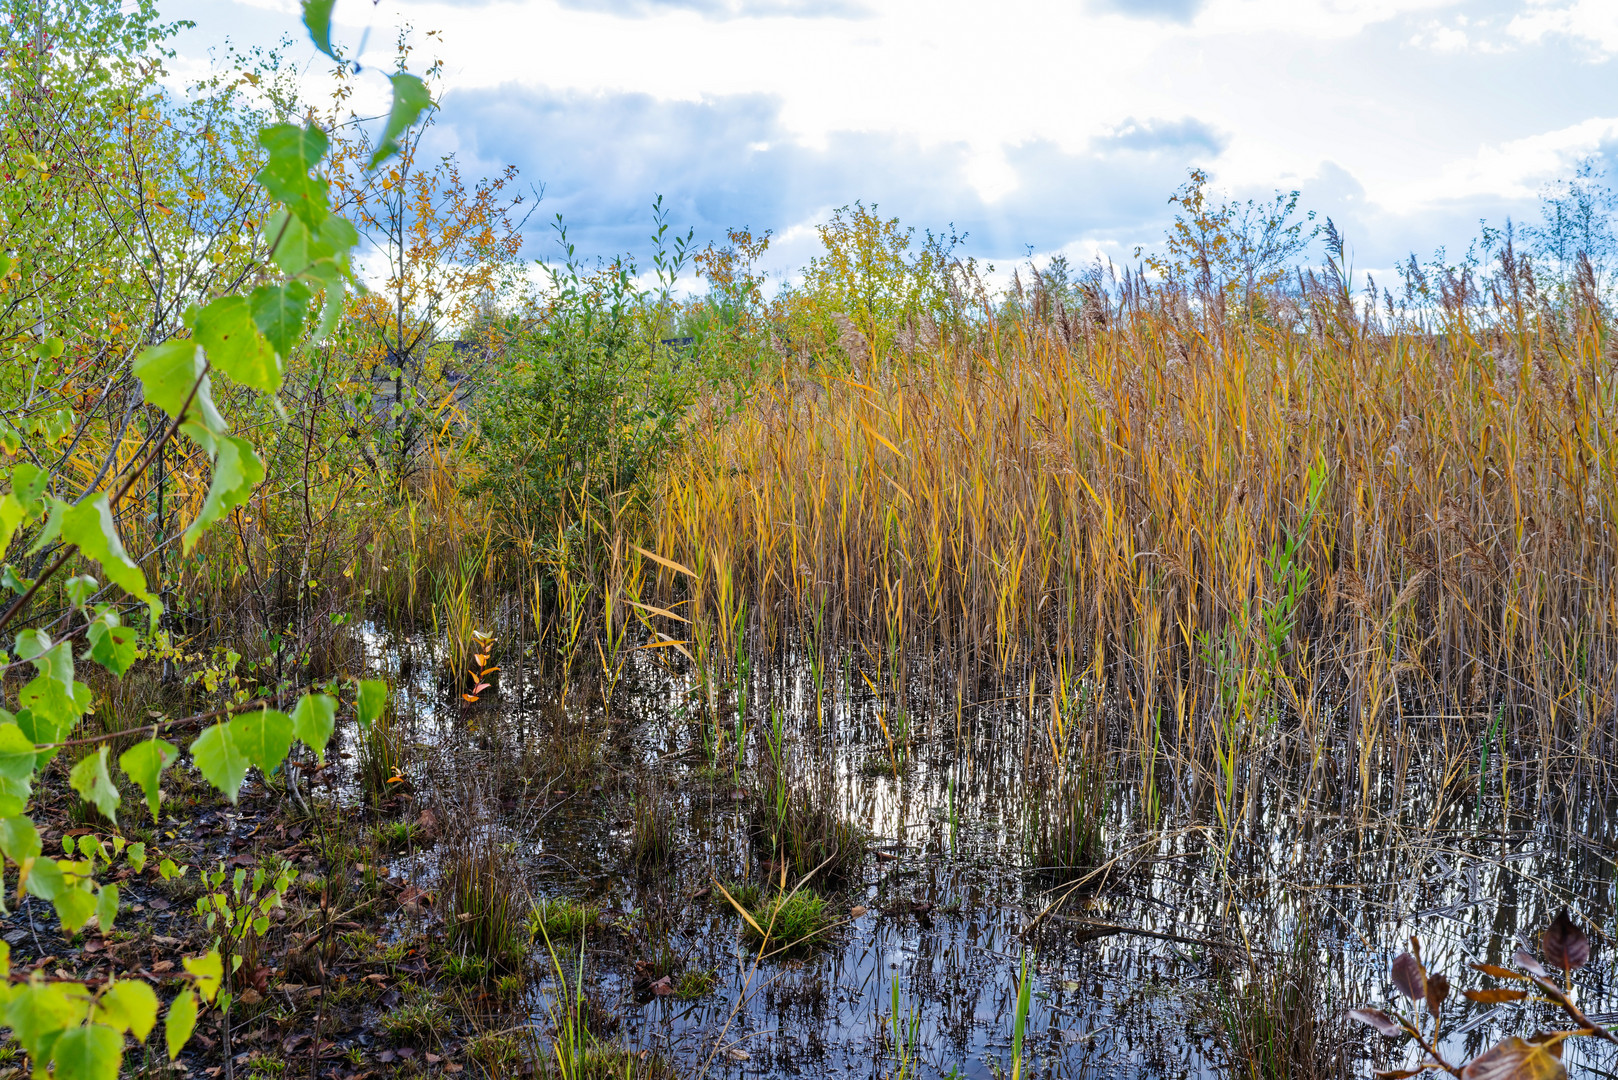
{"points": [[480, 687], [1409, 976], [1437, 991], [1381, 1021], [482, 658], [1525, 960], [1494, 997], [1564, 945], [1396, 1074], [1499, 972], [1516, 1059]]}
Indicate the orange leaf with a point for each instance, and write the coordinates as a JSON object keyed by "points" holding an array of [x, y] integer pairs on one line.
{"points": [[1494, 997]]}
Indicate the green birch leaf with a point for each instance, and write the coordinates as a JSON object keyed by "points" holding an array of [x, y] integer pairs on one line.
{"points": [[263, 737], [208, 969], [53, 700], [19, 840], [28, 484], [292, 153], [74, 905], [317, 19], [12, 514], [314, 720], [18, 760], [233, 344], [90, 526], [279, 311], [219, 760], [180, 1022], [410, 99], [129, 1005], [45, 878], [55, 510], [168, 371], [144, 763], [107, 909], [80, 588], [88, 1052], [112, 646], [373, 697], [237, 472], [94, 784], [291, 243], [39, 1011]]}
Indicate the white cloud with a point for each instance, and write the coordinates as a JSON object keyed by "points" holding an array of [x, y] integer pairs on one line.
{"points": [[1592, 22], [1026, 109]]}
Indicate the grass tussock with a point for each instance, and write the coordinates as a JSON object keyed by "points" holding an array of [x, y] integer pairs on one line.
{"points": [[559, 918], [791, 921], [1279, 1019], [799, 827], [486, 914], [1065, 820], [651, 841]]}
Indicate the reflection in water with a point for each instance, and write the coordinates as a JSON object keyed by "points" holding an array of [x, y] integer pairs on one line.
{"points": [[1132, 971]]}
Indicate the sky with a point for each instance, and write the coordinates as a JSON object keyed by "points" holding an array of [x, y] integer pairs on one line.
{"points": [[1031, 126]]}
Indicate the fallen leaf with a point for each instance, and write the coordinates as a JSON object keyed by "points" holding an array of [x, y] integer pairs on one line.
{"points": [[737, 1054], [857, 910]]}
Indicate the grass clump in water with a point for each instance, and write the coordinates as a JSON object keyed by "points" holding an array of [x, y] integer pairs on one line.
{"points": [[1065, 839], [799, 826], [791, 921], [693, 984], [560, 917], [419, 1018], [484, 913], [652, 841], [1279, 1020]]}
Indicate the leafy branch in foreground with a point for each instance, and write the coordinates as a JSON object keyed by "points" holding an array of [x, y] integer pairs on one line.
{"points": [[1565, 947], [76, 1030]]}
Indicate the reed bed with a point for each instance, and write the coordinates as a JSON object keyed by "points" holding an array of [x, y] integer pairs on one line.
{"points": [[1308, 528]]}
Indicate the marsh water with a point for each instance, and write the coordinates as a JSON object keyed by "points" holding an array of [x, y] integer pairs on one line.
{"points": [[1134, 973]]}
